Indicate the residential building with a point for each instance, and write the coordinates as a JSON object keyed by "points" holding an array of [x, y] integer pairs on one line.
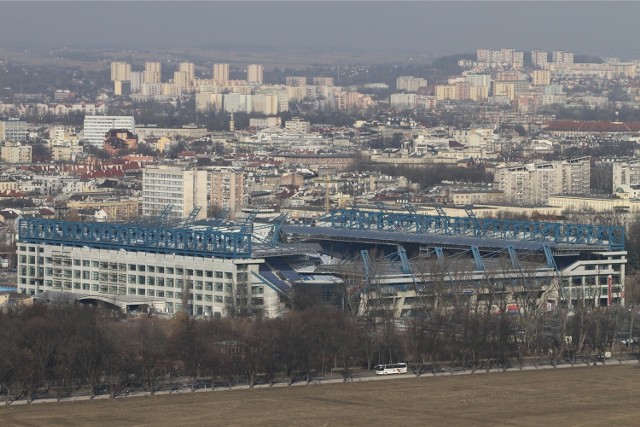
{"points": [[533, 183], [152, 73], [120, 71], [539, 58], [296, 81], [226, 189], [15, 152], [221, 73], [183, 188], [541, 77], [255, 73], [96, 127], [562, 59], [410, 84], [13, 130], [297, 125], [323, 81]]}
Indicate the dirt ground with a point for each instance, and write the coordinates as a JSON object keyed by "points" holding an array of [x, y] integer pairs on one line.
{"points": [[585, 396]]}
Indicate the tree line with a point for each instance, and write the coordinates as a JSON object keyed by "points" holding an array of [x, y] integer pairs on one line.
{"points": [[58, 350]]}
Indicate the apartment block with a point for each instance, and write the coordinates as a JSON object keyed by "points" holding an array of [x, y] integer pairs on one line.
{"points": [[221, 73], [255, 73], [180, 186], [96, 127], [533, 183]]}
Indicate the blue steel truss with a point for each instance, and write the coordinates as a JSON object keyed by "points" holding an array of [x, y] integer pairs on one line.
{"points": [[207, 242], [574, 234]]}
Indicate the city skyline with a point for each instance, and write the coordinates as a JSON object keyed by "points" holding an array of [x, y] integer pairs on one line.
{"points": [[432, 28]]}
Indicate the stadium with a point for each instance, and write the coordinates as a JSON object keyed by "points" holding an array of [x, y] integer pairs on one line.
{"points": [[360, 258]]}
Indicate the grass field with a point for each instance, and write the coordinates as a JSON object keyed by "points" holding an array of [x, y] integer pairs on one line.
{"points": [[585, 396]]}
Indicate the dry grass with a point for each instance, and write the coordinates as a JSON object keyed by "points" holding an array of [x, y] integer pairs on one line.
{"points": [[586, 396]]}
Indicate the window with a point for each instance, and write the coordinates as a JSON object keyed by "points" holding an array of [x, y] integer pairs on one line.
{"points": [[208, 286], [218, 274], [217, 298], [218, 287]]}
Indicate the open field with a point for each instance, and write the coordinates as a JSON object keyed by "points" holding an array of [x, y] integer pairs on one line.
{"points": [[584, 396]]}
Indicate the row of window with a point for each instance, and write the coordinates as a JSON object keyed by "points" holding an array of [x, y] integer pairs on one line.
{"points": [[31, 259]]}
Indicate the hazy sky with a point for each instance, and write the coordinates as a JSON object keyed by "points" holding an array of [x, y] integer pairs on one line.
{"points": [[602, 28]]}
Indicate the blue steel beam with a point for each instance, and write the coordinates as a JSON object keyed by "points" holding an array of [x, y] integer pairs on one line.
{"points": [[583, 234], [402, 254], [199, 242], [477, 258], [515, 262], [551, 262], [367, 264]]}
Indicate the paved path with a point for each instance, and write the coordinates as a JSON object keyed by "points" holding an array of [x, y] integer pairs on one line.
{"points": [[319, 381]]}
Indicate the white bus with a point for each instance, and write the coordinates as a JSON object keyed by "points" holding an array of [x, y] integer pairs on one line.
{"points": [[393, 368]]}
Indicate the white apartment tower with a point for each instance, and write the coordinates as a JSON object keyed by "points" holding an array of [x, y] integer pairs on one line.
{"points": [[533, 183], [227, 189], [152, 72], [562, 58], [539, 58], [95, 127], [221, 73], [180, 186], [120, 71], [255, 73]]}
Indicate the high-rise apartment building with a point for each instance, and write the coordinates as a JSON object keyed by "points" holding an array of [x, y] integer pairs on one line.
{"points": [[533, 183], [226, 189], [152, 72], [186, 77], [562, 58], [221, 73], [182, 187], [296, 81], [255, 73], [136, 81], [410, 84], [541, 77], [509, 57], [120, 71], [323, 81], [96, 127], [479, 79], [539, 58]]}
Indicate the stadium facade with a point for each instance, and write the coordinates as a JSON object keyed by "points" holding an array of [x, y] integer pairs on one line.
{"points": [[404, 260]]}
